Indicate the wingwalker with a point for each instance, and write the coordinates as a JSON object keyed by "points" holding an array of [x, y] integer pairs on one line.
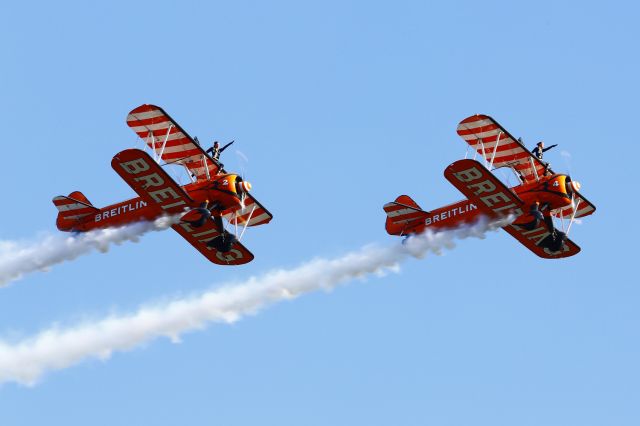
{"points": [[212, 198], [540, 196]]}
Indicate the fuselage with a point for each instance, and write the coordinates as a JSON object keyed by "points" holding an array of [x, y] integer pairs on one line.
{"points": [[550, 192], [220, 193]]}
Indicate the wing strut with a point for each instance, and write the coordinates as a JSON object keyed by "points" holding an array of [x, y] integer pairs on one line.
{"points": [[153, 143], [495, 148], [246, 223], [533, 167], [573, 215], [164, 144], [206, 169]]}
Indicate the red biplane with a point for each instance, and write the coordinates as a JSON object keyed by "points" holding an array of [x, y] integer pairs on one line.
{"points": [[212, 197], [540, 195]]}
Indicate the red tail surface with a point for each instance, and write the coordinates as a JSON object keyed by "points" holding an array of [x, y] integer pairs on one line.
{"points": [[403, 215], [72, 209]]}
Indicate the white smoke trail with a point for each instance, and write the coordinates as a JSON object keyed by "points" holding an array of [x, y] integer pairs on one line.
{"points": [[17, 258], [56, 348]]}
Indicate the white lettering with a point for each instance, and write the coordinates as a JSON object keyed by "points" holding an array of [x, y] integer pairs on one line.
{"points": [[468, 175], [229, 256], [484, 186], [163, 194], [136, 166], [153, 179], [490, 200]]}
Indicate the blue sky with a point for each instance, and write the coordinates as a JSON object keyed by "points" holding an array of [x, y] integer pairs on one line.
{"points": [[339, 107]]}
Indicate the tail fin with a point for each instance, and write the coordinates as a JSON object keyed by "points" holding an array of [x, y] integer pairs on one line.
{"points": [[72, 209], [402, 215]]}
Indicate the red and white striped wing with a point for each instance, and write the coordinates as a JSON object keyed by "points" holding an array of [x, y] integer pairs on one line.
{"points": [[169, 141], [483, 134], [253, 214], [585, 208]]}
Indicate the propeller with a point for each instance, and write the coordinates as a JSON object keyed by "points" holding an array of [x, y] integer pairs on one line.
{"points": [[567, 159]]}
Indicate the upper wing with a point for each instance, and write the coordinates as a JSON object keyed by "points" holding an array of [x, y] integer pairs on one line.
{"points": [[492, 141], [169, 141], [155, 186], [252, 214], [492, 197]]}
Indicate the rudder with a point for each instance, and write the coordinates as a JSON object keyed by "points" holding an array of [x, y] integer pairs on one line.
{"points": [[72, 209], [403, 214]]}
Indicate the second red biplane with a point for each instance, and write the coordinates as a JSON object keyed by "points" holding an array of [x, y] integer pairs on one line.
{"points": [[212, 198], [540, 196]]}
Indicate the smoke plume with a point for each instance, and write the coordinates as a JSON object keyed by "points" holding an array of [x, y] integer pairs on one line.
{"points": [[19, 258], [26, 360]]}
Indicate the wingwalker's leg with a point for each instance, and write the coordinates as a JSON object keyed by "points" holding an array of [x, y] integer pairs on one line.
{"points": [[537, 216], [225, 241], [556, 238]]}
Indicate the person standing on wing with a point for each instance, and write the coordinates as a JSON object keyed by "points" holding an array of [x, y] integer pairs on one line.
{"points": [[539, 150], [215, 150]]}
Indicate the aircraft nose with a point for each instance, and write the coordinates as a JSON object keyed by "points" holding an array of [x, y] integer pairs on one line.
{"points": [[243, 187]]}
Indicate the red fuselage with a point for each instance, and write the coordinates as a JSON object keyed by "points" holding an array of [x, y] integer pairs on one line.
{"points": [[550, 192], [221, 190]]}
